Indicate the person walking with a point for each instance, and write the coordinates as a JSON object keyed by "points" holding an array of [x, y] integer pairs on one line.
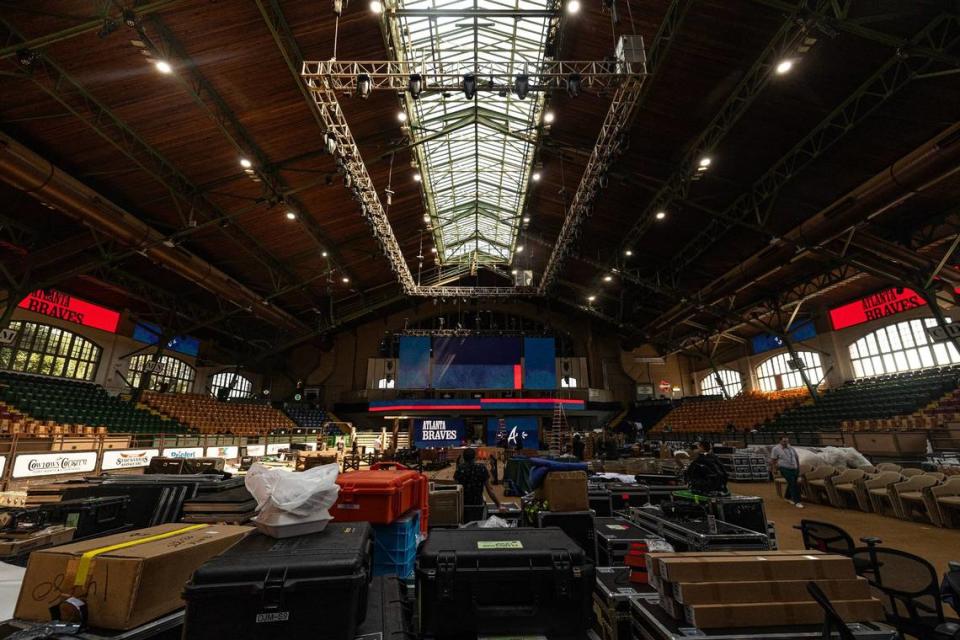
{"points": [[785, 458]]}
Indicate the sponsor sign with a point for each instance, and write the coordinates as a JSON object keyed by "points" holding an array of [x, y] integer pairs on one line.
{"points": [[7, 336], [882, 304], [130, 459], [431, 433], [228, 453], [274, 449], [184, 452], [943, 334], [256, 450], [29, 465], [56, 304]]}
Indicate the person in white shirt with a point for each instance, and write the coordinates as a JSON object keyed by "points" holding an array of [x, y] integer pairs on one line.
{"points": [[785, 458]]}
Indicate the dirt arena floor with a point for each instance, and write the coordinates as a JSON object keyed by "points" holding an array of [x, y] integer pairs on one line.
{"points": [[937, 545]]}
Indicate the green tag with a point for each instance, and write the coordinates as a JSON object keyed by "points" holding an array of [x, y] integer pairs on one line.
{"points": [[499, 544], [72, 520]]}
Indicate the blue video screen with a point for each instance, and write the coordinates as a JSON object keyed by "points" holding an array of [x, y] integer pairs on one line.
{"points": [[524, 429], [149, 333], [539, 363], [413, 370], [477, 363]]}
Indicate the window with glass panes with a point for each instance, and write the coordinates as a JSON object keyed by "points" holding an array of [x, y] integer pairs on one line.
{"points": [[904, 346], [50, 351], [175, 372], [732, 382], [776, 373], [241, 387]]}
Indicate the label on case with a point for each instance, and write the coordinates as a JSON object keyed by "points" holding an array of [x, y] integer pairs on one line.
{"points": [[618, 527], [275, 616], [499, 544]]}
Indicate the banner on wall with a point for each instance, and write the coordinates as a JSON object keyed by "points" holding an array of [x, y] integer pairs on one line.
{"points": [[522, 429], [30, 465], [132, 459], [438, 433], [56, 304], [184, 452], [227, 453], [882, 304]]}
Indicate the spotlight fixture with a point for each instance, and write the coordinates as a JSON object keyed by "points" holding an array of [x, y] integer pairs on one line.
{"points": [[26, 57], [415, 85], [402, 116], [246, 164], [548, 117], [705, 161], [536, 176], [784, 66], [591, 298], [163, 66], [607, 278], [661, 215], [345, 280], [469, 86], [330, 142], [521, 85], [376, 6], [363, 86], [130, 19], [416, 177], [574, 84], [573, 7], [628, 253]]}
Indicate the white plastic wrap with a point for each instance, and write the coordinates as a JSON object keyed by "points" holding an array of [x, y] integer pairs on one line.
{"points": [[292, 504]]}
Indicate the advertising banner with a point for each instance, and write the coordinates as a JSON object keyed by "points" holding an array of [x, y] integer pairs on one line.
{"points": [[523, 429], [29, 465], [56, 304], [184, 452], [128, 459], [274, 449], [438, 433], [227, 453], [256, 450], [876, 306]]}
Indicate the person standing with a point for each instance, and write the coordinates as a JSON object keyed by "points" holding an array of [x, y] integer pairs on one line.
{"points": [[475, 479], [785, 458], [579, 447]]}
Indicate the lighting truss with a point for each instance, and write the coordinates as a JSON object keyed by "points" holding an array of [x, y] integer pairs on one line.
{"points": [[612, 133]]}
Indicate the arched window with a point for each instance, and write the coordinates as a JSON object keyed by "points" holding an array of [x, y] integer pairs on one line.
{"points": [[903, 346], [732, 382], [175, 373], [239, 386], [386, 383], [50, 351], [779, 372], [568, 382]]}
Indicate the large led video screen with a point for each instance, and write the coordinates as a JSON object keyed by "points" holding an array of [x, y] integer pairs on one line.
{"points": [[477, 363], [539, 363], [413, 370], [523, 429]]}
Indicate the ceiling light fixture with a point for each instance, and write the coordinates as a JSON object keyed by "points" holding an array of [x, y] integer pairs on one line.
{"points": [[661, 215], [345, 279], [291, 215], [402, 116], [433, 249], [514, 272], [573, 6], [628, 253], [426, 218], [608, 278], [163, 66], [705, 161], [416, 177], [526, 219], [246, 164], [591, 298], [784, 67], [519, 248], [415, 85], [330, 141], [363, 86], [323, 254], [548, 117], [521, 85], [536, 176], [376, 6]]}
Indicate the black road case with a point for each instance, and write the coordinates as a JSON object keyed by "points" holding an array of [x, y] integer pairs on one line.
{"points": [[695, 534], [651, 622], [600, 504], [270, 588], [522, 581], [387, 617], [579, 525], [624, 496], [611, 602], [744, 511], [614, 537], [92, 517]]}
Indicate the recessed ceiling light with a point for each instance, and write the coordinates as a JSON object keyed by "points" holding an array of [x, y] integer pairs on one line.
{"points": [[163, 66], [536, 176], [784, 66], [607, 278], [548, 117], [628, 252], [345, 279], [573, 6], [661, 215], [376, 6], [705, 161], [402, 116], [291, 215], [416, 177], [246, 164]]}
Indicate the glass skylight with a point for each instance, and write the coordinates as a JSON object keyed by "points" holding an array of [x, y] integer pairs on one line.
{"points": [[475, 156]]}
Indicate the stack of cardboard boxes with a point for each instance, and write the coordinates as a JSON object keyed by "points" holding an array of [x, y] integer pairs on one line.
{"points": [[751, 589]]}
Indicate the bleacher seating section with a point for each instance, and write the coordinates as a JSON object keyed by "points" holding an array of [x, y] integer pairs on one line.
{"points": [[305, 416], [884, 402], [749, 410], [46, 406], [206, 414], [650, 412]]}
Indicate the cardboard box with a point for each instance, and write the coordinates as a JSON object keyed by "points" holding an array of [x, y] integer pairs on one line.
{"points": [[446, 504], [566, 491], [126, 579], [727, 616], [757, 567], [654, 557], [766, 591]]}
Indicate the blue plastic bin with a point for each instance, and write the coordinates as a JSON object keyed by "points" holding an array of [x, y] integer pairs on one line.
{"points": [[395, 545]]}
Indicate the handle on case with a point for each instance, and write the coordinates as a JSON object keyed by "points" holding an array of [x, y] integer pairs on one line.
{"points": [[387, 465]]}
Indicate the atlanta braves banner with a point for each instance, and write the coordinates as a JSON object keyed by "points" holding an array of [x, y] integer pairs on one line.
{"points": [[438, 433]]}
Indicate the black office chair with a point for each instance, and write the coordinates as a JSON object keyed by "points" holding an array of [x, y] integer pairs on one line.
{"points": [[832, 622], [823, 536], [909, 588]]}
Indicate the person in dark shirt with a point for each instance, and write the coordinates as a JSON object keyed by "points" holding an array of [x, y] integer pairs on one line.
{"points": [[578, 447], [474, 478], [706, 474]]}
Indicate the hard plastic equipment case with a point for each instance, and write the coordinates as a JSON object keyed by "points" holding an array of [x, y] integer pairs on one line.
{"points": [[380, 495], [268, 588], [523, 581], [614, 537], [611, 602], [695, 534], [386, 617], [579, 525]]}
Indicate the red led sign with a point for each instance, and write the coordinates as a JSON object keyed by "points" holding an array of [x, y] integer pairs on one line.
{"points": [[879, 305], [56, 304]]}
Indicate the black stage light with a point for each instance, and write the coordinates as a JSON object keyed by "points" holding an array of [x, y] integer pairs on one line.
{"points": [[574, 84], [130, 19], [415, 85], [330, 142], [363, 85], [521, 86], [469, 86]]}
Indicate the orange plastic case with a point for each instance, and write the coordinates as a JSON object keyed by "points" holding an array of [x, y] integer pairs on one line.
{"points": [[381, 495]]}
